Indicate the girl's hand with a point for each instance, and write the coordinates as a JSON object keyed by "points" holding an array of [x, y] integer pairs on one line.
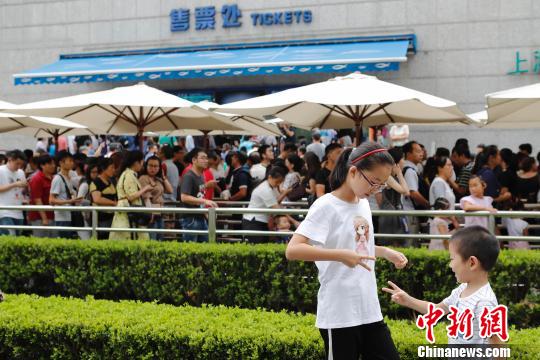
{"points": [[395, 257], [352, 259], [398, 296]]}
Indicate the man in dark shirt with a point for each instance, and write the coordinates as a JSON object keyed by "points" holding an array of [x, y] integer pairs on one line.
{"points": [[240, 186], [322, 178], [192, 195], [288, 148], [463, 163], [178, 158]]}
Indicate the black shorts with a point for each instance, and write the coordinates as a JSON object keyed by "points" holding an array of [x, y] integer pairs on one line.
{"points": [[371, 341]]}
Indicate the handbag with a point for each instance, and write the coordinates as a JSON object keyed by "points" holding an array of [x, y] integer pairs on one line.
{"points": [[136, 219], [77, 218], [298, 191]]}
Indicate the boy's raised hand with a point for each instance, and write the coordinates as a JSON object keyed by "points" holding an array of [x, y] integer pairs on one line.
{"points": [[398, 296]]}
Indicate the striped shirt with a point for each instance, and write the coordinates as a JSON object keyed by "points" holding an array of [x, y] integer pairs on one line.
{"points": [[465, 175], [483, 297]]}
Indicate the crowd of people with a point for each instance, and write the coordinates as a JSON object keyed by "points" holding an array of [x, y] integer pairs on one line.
{"points": [[264, 172]]}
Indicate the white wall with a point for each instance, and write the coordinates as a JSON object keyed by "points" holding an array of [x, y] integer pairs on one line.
{"points": [[466, 47]]}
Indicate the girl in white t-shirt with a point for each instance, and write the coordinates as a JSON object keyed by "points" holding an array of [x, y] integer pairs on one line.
{"points": [[477, 202], [337, 234], [440, 225]]}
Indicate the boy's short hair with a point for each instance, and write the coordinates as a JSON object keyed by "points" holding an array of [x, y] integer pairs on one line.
{"points": [[62, 155], [477, 241]]}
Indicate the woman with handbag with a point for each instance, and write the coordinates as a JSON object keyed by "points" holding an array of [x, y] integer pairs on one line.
{"points": [[293, 179], [153, 176], [390, 198], [130, 194]]}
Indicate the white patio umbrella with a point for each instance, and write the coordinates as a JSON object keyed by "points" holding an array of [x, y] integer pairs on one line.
{"points": [[514, 108], [354, 100], [248, 125], [128, 110], [37, 126]]}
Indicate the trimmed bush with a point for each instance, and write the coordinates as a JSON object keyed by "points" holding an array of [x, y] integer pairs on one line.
{"points": [[33, 327], [235, 275]]}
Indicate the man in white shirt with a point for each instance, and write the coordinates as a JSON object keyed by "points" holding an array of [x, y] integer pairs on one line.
{"points": [[258, 171], [399, 134], [413, 156], [63, 192], [12, 187], [265, 196], [317, 147]]}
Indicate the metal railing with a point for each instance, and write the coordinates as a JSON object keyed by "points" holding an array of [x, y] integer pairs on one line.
{"points": [[213, 231]]}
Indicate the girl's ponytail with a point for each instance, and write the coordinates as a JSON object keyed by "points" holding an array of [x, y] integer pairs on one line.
{"points": [[339, 174]]}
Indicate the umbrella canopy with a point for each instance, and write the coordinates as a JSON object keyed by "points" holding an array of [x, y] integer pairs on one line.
{"points": [[248, 125], [128, 110], [37, 126], [514, 108], [354, 100]]}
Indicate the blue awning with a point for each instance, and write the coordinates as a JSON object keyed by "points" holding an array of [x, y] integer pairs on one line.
{"points": [[367, 56]]}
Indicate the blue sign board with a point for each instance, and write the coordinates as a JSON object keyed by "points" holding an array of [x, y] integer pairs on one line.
{"points": [[205, 18]]}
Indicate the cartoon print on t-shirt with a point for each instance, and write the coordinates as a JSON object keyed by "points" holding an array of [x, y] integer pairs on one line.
{"points": [[201, 192], [361, 233]]}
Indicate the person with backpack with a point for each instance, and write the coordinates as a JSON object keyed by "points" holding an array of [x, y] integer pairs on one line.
{"points": [[419, 189], [241, 182], [390, 198]]}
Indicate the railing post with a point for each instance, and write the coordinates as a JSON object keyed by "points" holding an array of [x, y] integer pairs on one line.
{"points": [[94, 223], [212, 225], [492, 224]]}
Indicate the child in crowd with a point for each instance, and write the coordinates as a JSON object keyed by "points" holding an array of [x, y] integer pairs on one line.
{"points": [[284, 223], [473, 253], [477, 202], [516, 226], [441, 225]]}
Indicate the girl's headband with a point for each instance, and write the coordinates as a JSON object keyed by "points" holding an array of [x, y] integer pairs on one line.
{"points": [[369, 153]]}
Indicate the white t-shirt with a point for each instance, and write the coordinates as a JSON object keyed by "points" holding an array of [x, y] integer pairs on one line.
{"points": [[58, 188], [440, 188], [411, 178], [263, 197], [437, 244], [258, 172], [483, 297], [317, 148], [399, 130], [14, 196], [347, 296], [515, 227]]}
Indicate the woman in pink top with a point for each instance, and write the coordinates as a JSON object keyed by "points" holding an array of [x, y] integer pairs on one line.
{"points": [[477, 202]]}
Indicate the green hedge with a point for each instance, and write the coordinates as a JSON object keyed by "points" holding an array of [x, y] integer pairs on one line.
{"points": [[33, 327], [235, 275]]}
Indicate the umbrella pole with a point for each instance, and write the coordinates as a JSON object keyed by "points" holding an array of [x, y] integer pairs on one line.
{"points": [[56, 136], [206, 140], [358, 128], [141, 140]]}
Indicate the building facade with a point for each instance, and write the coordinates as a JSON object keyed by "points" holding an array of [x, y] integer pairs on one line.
{"points": [[462, 49]]}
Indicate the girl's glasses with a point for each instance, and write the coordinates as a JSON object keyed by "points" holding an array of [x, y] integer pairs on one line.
{"points": [[374, 186]]}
